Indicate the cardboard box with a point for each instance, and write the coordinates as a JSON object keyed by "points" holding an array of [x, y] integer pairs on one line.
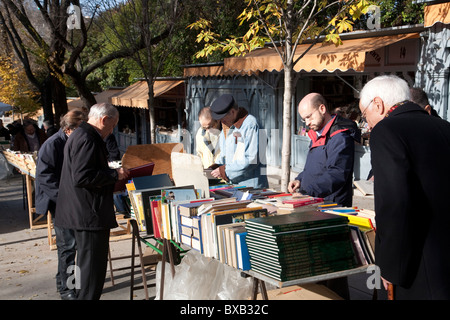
{"points": [[306, 292]]}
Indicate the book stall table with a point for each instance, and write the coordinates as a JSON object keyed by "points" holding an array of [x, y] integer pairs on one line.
{"points": [[167, 249], [259, 280], [310, 243], [207, 226], [25, 163], [180, 211]]}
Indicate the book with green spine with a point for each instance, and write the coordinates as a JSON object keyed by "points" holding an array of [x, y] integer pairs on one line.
{"points": [[298, 245]]}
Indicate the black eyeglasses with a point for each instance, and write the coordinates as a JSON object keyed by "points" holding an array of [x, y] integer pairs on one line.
{"points": [[363, 114], [309, 115]]}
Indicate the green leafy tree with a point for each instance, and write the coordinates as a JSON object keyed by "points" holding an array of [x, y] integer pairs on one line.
{"points": [[397, 13], [30, 44], [141, 26], [284, 24]]}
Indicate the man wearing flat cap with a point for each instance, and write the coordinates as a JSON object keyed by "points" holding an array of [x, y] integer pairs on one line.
{"points": [[239, 161]]}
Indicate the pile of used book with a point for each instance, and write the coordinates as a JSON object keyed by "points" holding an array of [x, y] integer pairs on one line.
{"points": [[297, 245]]}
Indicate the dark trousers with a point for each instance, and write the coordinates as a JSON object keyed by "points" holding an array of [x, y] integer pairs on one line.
{"points": [[66, 245], [92, 261]]}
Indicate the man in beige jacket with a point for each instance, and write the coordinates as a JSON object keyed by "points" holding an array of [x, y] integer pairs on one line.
{"points": [[207, 137]]}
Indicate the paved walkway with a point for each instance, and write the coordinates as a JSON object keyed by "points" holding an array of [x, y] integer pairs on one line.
{"points": [[28, 266]]}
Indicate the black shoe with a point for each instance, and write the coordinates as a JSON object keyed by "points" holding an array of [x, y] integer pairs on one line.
{"points": [[69, 296], [58, 285]]}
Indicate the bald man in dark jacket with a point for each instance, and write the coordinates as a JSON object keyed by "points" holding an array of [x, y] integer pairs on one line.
{"points": [[328, 171]]}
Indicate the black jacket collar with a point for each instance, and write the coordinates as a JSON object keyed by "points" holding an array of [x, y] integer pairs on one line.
{"points": [[409, 106]]}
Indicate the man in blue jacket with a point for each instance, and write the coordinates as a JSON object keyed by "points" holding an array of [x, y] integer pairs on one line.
{"points": [[328, 171], [239, 160]]}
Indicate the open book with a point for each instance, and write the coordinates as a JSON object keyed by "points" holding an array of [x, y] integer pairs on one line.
{"points": [[141, 171]]}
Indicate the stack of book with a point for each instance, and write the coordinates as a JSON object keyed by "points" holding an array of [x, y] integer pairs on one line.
{"points": [[299, 204], [241, 192], [298, 245], [215, 228], [139, 189], [363, 229]]}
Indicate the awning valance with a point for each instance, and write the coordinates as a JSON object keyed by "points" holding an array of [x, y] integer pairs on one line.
{"points": [[203, 71], [322, 56], [136, 95], [437, 13]]}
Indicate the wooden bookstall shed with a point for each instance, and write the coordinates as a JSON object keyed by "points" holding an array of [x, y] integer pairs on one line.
{"points": [[133, 127], [256, 81], [433, 69]]}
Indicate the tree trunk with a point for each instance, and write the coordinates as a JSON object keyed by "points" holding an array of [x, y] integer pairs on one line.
{"points": [[287, 100], [59, 100], [287, 134], [46, 98], [151, 111], [85, 94]]}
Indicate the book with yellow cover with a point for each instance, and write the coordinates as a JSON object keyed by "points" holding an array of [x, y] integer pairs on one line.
{"points": [[359, 221], [140, 217], [130, 186], [133, 208]]}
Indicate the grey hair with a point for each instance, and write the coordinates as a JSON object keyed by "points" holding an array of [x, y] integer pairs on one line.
{"points": [[72, 119], [103, 109], [390, 88]]}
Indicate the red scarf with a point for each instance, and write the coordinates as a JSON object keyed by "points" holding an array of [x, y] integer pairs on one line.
{"points": [[322, 140], [395, 106]]}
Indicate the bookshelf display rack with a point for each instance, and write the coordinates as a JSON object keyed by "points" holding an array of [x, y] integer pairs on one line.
{"points": [[25, 163]]}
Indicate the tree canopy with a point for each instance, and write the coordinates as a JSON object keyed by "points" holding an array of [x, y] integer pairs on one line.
{"points": [[15, 89]]}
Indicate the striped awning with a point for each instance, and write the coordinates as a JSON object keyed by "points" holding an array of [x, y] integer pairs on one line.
{"points": [[437, 13], [322, 56], [136, 95]]}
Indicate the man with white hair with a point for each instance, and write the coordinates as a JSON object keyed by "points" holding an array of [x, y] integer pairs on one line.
{"points": [[410, 154], [85, 200]]}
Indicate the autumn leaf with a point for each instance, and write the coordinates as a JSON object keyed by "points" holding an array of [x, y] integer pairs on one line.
{"points": [[15, 88]]}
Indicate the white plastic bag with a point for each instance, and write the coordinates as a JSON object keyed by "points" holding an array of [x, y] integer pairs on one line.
{"points": [[6, 170], [201, 278]]}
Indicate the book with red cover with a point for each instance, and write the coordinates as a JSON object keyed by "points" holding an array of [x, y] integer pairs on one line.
{"points": [[279, 195], [156, 218], [141, 171], [295, 203]]}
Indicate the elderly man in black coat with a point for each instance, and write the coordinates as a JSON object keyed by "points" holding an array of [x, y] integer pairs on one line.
{"points": [[410, 159], [85, 200]]}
